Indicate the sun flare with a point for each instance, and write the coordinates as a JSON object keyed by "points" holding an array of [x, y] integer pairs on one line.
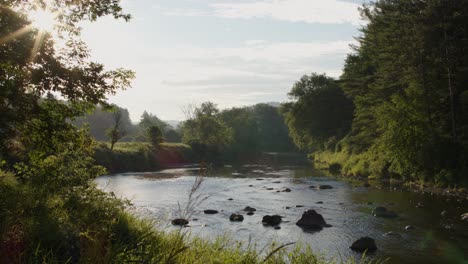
{"points": [[43, 20]]}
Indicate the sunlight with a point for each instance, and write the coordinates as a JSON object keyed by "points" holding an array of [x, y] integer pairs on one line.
{"points": [[43, 20]]}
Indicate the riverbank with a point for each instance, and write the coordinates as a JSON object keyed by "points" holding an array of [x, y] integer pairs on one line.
{"points": [[370, 169], [142, 157]]}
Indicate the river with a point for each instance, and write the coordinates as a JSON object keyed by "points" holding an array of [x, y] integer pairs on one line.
{"points": [[347, 208]]}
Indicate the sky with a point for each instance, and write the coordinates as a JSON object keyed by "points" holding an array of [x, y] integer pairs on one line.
{"points": [[231, 52]]}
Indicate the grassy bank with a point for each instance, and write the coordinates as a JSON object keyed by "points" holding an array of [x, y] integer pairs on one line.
{"points": [[372, 165], [141, 156]]}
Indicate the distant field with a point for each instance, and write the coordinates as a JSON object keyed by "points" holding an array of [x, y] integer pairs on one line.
{"points": [[141, 156], [136, 146]]}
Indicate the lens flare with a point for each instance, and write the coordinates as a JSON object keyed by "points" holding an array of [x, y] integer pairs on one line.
{"points": [[43, 20]]}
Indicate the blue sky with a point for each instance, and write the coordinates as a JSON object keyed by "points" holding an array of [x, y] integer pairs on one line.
{"points": [[230, 52]]}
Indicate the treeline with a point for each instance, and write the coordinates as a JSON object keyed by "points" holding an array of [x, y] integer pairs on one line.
{"points": [[231, 135], [103, 119], [400, 109], [236, 134]]}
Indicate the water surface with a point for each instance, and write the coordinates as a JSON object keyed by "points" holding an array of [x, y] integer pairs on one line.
{"points": [[435, 239]]}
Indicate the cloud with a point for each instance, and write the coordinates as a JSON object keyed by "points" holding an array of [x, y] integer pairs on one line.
{"points": [[310, 11], [257, 71]]}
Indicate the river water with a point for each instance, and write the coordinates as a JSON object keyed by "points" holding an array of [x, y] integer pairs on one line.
{"points": [[434, 239]]}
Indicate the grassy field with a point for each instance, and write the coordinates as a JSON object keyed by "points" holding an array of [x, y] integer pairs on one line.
{"points": [[141, 156]]}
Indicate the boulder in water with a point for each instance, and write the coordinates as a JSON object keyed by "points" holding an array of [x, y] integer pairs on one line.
{"points": [[180, 222], [236, 218], [210, 211], [324, 187], [383, 212], [312, 220], [249, 209], [271, 220], [364, 244], [286, 190]]}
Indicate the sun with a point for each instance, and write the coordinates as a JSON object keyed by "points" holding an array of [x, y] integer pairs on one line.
{"points": [[43, 20]]}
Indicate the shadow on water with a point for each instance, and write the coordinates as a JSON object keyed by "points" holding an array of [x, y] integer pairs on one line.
{"points": [[436, 237]]}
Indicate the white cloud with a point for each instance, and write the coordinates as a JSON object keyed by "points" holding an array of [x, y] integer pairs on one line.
{"points": [[257, 71], [310, 11]]}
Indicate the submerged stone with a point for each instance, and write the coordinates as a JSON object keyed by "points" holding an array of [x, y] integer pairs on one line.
{"points": [[236, 218], [210, 211], [249, 209], [271, 220], [180, 222], [383, 212], [363, 244]]}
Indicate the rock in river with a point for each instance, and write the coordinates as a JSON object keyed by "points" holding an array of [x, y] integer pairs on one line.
{"points": [[180, 222], [324, 187], [383, 212], [271, 220], [249, 209], [286, 190], [210, 211], [236, 218], [312, 220], [363, 244]]}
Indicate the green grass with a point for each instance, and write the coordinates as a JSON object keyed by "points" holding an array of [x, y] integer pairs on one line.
{"points": [[142, 156], [370, 164]]}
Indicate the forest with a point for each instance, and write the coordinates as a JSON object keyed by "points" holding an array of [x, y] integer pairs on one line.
{"points": [[399, 110]]}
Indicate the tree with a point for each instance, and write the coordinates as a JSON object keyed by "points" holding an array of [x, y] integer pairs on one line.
{"points": [[319, 111], [102, 118], [31, 67], [272, 131], [407, 80], [245, 133], [155, 136], [206, 132], [117, 131], [148, 120]]}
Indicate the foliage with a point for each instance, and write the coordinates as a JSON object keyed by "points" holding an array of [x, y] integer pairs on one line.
{"points": [[102, 118], [206, 132], [406, 85], [319, 111], [31, 67], [155, 136], [406, 79]]}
